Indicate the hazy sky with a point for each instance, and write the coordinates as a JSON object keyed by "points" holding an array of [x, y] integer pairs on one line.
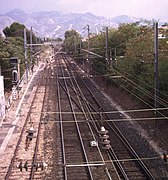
{"points": [[152, 9]]}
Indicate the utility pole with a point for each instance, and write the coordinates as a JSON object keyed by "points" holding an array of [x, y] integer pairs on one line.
{"points": [[18, 66], [75, 43], [106, 53], [31, 63], [25, 54], [88, 28], [80, 44], [155, 65], [111, 60], [115, 55], [89, 63]]}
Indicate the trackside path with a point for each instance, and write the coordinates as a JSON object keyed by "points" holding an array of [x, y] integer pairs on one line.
{"points": [[11, 127]]}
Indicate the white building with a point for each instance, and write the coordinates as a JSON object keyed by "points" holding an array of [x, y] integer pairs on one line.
{"points": [[2, 99]]}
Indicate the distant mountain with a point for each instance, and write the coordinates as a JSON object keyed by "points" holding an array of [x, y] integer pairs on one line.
{"points": [[4, 22], [55, 23], [45, 14], [125, 19], [17, 15]]}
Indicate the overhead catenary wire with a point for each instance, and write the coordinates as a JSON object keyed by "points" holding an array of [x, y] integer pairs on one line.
{"points": [[104, 112], [135, 95], [141, 99], [141, 89], [148, 93], [160, 92], [111, 120], [113, 160], [161, 101]]}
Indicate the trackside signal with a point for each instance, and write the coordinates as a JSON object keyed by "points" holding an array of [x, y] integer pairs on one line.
{"points": [[14, 76], [14, 60]]}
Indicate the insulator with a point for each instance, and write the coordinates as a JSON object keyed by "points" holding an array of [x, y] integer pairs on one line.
{"points": [[103, 131], [108, 146], [106, 142], [104, 137]]}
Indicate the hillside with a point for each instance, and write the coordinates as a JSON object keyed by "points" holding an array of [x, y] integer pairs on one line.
{"points": [[55, 23]]}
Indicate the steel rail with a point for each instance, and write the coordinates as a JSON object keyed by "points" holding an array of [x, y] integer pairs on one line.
{"points": [[78, 130], [32, 171], [74, 116], [142, 165], [150, 176], [88, 106], [83, 104], [61, 128]]}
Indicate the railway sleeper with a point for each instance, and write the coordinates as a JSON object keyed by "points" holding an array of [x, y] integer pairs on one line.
{"points": [[26, 166]]}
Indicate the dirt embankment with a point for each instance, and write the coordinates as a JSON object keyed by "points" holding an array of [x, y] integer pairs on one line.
{"points": [[125, 101], [143, 135]]}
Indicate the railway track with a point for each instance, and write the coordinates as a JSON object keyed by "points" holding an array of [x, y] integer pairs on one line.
{"points": [[28, 156], [80, 159], [70, 136], [132, 166]]}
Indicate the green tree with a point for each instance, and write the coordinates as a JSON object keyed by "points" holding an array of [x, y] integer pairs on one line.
{"points": [[10, 47], [72, 41], [15, 30], [134, 42]]}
